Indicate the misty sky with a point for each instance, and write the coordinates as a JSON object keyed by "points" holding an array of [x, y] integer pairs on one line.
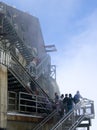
{"points": [[72, 26]]}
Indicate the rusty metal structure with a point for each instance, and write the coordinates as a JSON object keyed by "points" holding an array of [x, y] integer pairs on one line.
{"points": [[28, 80]]}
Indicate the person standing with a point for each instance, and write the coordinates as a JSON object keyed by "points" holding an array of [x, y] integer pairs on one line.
{"points": [[56, 101], [70, 102], [61, 105], [77, 97], [65, 100]]}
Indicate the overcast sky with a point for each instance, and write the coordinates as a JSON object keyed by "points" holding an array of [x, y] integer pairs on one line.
{"points": [[72, 26]]}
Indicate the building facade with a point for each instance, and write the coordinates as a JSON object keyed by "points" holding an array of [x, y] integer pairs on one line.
{"points": [[27, 78]]}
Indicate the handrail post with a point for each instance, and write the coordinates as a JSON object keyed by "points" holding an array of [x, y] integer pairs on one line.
{"points": [[36, 105], [19, 102], [92, 108]]}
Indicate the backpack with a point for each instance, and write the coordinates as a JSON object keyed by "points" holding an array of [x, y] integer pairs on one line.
{"points": [[76, 98]]}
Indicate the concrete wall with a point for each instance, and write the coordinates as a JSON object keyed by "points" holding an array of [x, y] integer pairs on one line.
{"points": [[26, 123], [3, 96]]}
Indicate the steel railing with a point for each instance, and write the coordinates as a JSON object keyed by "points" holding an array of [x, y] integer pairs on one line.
{"points": [[14, 34], [15, 67], [85, 108], [41, 68], [45, 120], [28, 103], [33, 103], [12, 101]]}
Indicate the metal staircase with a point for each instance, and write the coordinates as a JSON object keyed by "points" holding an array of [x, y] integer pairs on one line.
{"points": [[83, 111], [15, 85], [9, 34], [15, 68], [19, 72], [18, 77], [45, 120], [12, 35], [42, 67]]}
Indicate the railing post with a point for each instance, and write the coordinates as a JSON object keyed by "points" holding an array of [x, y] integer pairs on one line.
{"points": [[36, 105], [87, 127], [73, 118], [19, 102], [92, 108]]}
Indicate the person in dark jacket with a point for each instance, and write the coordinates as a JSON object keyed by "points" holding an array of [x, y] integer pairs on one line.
{"points": [[70, 102], [61, 105], [65, 100], [77, 97]]}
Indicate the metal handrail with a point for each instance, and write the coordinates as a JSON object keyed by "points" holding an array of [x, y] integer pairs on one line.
{"points": [[35, 102], [16, 33], [24, 102], [19, 71], [12, 101], [41, 68], [65, 117], [84, 105], [44, 121], [21, 74], [43, 65], [77, 122]]}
